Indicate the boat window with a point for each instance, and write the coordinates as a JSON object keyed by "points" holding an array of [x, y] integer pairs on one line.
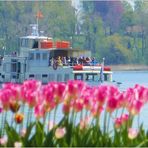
{"points": [[44, 56], [105, 77], [44, 76], [31, 56], [37, 56], [14, 77], [35, 44], [13, 67], [31, 76], [24, 42], [78, 76]]}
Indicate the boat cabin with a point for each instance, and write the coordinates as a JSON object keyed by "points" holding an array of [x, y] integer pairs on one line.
{"points": [[44, 59]]}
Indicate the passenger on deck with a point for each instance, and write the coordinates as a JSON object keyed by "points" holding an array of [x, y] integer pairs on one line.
{"points": [[88, 61], [64, 61], [94, 62], [59, 61], [51, 61]]}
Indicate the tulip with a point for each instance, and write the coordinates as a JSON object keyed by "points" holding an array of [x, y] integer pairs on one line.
{"points": [[51, 125], [15, 90], [5, 97], [18, 144], [19, 118], [23, 132], [135, 107], [39, 110], [78, 105], [84, 123], [60, 132], [3, 140], [66, 108], [124, 118], [100, 94], [118, 123], [132, 133], [1, 109], [14, 106], [96, 110], [112, 104]]}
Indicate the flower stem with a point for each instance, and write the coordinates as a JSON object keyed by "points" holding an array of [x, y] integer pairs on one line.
{"points": [[105, 117]]}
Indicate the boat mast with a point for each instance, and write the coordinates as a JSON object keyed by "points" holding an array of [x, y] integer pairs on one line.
{"points": [[37, 26], [39, 15]]}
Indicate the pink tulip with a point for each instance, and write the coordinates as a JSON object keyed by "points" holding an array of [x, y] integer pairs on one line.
{"points": [[60, 132], [58, 91], [23, 132], [28, 91], [100, 94], [118, 123], [48, 96], [66, 108], [39, 111], [51, 125], [78, 105], [1, 110], [74, 88], [96, 110], [132, 133], [124, 118], [15, 90], [85, 122], [112, 104], [142, 93], [112, 90], [5, 97], [3, 140], [135, 107]]}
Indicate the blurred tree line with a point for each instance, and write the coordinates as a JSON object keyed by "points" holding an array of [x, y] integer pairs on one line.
{"points": [[111, 29]]}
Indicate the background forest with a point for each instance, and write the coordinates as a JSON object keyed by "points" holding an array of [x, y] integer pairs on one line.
{"points": [[115, 30]]}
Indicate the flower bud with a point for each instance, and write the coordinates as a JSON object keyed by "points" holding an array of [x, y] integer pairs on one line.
{"points": [[60, 132], [18, 118], [14, 106]]}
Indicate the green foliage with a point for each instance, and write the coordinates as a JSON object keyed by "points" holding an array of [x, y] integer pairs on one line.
{"points": [[98, 27], [92, 136]]}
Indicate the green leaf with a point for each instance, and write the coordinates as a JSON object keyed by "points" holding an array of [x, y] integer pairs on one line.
{"points": [[49, 139], [38, 138], [25, 139], [12, 134]]}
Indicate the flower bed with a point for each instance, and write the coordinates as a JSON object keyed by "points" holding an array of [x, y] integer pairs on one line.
{"points": [[82, 106]]}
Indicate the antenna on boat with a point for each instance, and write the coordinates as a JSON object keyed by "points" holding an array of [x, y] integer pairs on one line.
{"points": [[39, 15]]}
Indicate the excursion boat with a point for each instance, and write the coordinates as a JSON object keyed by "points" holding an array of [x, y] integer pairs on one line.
{"points": [[39, 58]]}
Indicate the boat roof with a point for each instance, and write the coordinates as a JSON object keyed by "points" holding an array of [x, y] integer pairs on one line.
{"points": [[36, 37]]}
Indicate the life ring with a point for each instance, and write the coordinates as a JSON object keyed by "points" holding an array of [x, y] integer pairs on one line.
{"points": [[55, 65]]}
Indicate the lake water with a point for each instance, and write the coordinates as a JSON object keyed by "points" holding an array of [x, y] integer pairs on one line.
{"points": [[130, 78]]}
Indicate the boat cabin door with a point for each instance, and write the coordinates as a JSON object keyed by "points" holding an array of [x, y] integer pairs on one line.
{"points": [[15, 70]]}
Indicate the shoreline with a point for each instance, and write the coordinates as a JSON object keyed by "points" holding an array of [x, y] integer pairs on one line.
{"points": [[129, 67]]}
